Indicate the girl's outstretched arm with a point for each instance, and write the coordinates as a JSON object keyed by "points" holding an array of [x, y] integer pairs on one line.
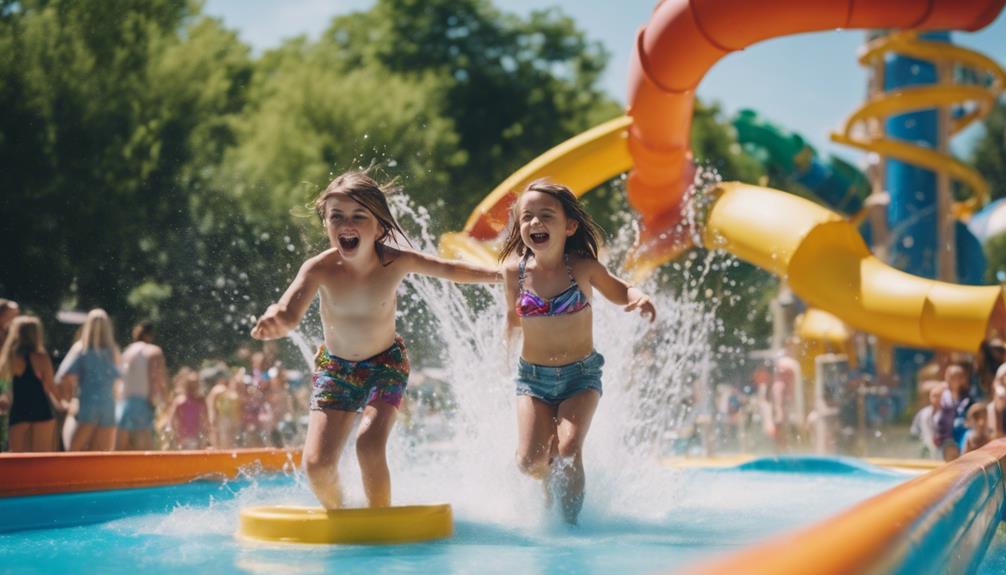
{"points": [[511, 291], [453, 270], [283, 316], [618, 291]]}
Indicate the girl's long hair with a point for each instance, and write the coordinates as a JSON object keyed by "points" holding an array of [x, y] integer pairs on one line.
{"points": [[25, 337], [364, 190], [98, 334], [583, 242]]}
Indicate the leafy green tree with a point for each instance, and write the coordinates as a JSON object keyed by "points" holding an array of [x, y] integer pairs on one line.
{"points": [[714, 145], [995, 252], [989, 158], [114, 117], [513, 87], [307, 122], [153, 167], [72, 167], [989, 153]]}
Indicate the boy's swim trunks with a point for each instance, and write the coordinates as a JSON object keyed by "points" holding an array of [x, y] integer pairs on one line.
{"points": [[350, 385]]}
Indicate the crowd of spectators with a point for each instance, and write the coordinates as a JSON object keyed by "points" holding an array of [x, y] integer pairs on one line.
{"points": [[961, 406], [101, 398], [966, 407]]}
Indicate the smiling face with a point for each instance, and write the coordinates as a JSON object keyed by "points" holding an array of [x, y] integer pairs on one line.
{"points": [[543, 223], [350, 226]]}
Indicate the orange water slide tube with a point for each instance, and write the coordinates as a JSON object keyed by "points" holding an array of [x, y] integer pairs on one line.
{"points": [[40, 473], [685, 38], [940, 522]]}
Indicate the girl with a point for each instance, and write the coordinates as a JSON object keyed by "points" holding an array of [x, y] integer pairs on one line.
{"points": [[189, 414], [363, 365], [280, 406], [550, 269], [25, 363], [224, 403], [92, 367], [8, 311]]}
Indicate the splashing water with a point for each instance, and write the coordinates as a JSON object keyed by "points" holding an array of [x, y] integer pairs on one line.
{"points": [[460, 448]]}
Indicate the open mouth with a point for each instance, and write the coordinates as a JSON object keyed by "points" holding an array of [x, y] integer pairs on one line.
{"points": [[349, 242], [539, 237]]}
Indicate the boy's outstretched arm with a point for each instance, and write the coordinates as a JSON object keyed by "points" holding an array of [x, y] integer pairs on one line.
{"points": [[618, 291], [453, 270], [283, 316]]}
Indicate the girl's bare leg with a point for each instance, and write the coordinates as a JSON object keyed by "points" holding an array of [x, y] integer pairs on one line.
{"points": [[122, 440], [104, 439], [575, 415], [142, 439], [371, 452], [18, 437], [42, 435], [82, 435], [535, 433], [327, 431]]}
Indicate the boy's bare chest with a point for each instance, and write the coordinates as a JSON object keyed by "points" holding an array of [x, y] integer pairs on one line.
{"points": [[360, 295]]}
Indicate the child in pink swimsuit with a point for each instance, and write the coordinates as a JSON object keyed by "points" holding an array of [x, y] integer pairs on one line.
{"points": [[190, 417]]}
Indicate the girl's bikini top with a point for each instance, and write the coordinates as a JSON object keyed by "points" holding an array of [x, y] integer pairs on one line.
{"points": [[530, 304]]}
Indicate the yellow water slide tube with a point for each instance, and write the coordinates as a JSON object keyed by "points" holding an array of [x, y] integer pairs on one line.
{"points": [[819, 252], [828, 264]]}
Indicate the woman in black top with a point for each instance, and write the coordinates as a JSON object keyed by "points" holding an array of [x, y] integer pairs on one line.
{"points": [[25, 363]]}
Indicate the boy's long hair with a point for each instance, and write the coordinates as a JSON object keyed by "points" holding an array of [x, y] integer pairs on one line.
{"points": [[98, 334], [362, 189], [584, 240], [25, 337]]}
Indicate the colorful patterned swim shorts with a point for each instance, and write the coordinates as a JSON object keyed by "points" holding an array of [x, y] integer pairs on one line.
{"points": [[350, 385]]}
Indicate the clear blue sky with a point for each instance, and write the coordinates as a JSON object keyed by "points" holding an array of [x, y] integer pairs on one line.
{"points": [[808, 82]]}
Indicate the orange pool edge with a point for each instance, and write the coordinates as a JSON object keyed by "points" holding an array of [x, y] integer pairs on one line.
{"points": [[46, 473]]}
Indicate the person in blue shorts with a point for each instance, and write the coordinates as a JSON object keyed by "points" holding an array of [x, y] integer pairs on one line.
{"points": [[90, 371], [144, 380]]}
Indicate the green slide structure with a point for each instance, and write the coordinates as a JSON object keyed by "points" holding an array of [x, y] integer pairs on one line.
{"points": [[833, 182]]}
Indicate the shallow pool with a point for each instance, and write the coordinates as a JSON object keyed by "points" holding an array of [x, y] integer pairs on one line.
{"points": [[189, 528]]}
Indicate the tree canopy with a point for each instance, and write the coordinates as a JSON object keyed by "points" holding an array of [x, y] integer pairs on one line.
{"points": [[153, 166]]}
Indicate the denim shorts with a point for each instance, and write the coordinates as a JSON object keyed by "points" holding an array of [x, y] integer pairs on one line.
{"points": [[555, 384], [137, 415], [97, 410]]}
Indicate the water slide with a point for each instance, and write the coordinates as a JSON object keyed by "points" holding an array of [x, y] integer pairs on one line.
{"points": [[835, 182], [825, 260], [941, 522], [819, 251]]}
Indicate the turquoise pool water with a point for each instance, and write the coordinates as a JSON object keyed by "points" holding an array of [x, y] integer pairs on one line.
{"points": [[995, 558], [190, 528]]}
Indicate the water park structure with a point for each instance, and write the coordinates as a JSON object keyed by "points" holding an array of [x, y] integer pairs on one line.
{"points": [[820, 253]]}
